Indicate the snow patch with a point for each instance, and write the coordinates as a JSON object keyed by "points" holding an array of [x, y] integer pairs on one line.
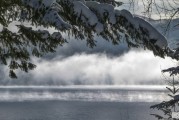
{"points": [[99, 28], [56, 35], [153, 33], [103, 9], [51, 15], [138, 22], [81, 9], [1, 28], [53, 18]]}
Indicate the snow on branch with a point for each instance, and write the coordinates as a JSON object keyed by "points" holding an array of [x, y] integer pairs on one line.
{"points": [[144, 27], [48, 12], [82, 19], [103, 10], [112, 2], [85, 13], [172, 70], [97, 17]]}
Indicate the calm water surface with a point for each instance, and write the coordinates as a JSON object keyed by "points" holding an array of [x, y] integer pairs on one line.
{"points": [[79, 103], [75, 110]]}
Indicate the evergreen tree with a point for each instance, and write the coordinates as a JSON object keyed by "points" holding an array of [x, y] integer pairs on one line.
{"points": [[82, 19], [168, 107]]}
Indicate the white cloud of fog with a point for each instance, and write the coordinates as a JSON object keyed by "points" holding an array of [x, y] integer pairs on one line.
{"points": [[134, 67]]}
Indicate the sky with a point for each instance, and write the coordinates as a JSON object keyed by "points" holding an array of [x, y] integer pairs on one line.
{"points": [[106, 64]]}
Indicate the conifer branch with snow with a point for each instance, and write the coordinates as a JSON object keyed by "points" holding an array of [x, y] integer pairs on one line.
{"points": [[82, 19]]}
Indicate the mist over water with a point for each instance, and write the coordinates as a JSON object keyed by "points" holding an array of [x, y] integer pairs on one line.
{"points": [[83, 93], [136, 67]]}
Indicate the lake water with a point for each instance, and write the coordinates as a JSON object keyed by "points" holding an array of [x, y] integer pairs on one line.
{"points": [[79, 103], [75, 110]]}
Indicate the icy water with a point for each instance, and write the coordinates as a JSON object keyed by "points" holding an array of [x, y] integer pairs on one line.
{"points": [[75, 110], [79, 103]]}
